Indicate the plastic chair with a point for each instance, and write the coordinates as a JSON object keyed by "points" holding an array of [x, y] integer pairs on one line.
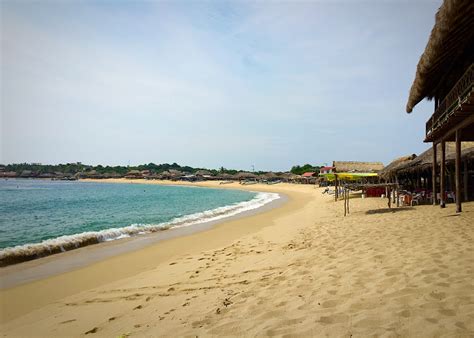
{"points": [[451, 196]]}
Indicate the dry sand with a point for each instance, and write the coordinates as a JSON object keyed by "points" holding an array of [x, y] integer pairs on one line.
{"points": [[300, 269]]}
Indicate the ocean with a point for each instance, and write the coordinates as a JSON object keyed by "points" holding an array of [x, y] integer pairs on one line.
{"points": [[42, 217]]}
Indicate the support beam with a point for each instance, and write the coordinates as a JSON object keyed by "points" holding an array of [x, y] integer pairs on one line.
{"points": [[457, 171], [434, 174], [442, 176], [466, 182], [336, 187]]}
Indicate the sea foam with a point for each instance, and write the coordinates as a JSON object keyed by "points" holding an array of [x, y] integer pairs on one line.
{"points": [[48, 247]]}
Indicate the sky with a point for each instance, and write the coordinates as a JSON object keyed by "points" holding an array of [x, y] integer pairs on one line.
{"points": [[237, 84]]}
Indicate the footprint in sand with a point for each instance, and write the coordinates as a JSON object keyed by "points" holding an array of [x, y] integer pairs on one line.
{"points": [[94, 330], [438, 295], [405, 313], [329, 303], [447, 312], [326, 320], [461, 325]]}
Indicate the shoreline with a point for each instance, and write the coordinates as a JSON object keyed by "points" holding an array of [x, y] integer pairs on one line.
{"points": [[29, 271], [32, 275], [28, 252]]}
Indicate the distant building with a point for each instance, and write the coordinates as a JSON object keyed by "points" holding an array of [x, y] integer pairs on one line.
{"points": [[326, 170]]}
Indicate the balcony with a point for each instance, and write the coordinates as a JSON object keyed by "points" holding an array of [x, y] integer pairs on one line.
{"points": [[456, 105]]}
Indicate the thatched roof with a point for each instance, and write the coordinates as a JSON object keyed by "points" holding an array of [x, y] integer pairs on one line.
{"points": [[449, 50], [175, 173], [289, 176], [243, 175], [357, 167], [225, 176], [269, 175], [387, 171], [425, 159], [202, 172]]}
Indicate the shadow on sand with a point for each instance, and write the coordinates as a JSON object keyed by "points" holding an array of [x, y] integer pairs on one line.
{"points": [[387, 210]]}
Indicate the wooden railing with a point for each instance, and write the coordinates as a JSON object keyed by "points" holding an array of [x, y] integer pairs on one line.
{"points": [[455, 97]]}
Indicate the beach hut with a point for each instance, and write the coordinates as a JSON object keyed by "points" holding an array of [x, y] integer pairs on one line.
{"points": [[204, 175], [225, 177], [352, 171], [445, 73], [27, 173], [133, 174], [389, 173], [164, 175], [8, 174], [269, 177], [245, 176], [417, 173], [175, 175], [309, 177]]}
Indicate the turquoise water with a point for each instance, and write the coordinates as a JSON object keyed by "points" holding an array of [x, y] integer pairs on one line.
{"points": [[57, 213]]}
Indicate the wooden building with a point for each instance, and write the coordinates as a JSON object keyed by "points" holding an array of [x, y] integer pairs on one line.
{"points": [[414, 173], [445, 73]]}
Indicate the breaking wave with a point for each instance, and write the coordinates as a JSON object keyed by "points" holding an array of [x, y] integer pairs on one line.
{"points": [[26, 252]]}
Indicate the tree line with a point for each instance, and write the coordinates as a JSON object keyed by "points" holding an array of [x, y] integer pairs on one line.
{"points": [[78, 167]]}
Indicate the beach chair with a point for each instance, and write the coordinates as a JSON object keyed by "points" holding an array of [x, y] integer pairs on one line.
{"points": [[416, 199]]}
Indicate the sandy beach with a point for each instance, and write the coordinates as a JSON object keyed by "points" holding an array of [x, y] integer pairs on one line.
{"points": [[299, 269]]}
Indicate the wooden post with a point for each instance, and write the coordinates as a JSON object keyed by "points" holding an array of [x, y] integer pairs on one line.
{"points": [[348, 191], [434, 174], [442, 176], [458, 171], [336, 183], [465, 182], [398, 196], [345, 208], [389, 192]]}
